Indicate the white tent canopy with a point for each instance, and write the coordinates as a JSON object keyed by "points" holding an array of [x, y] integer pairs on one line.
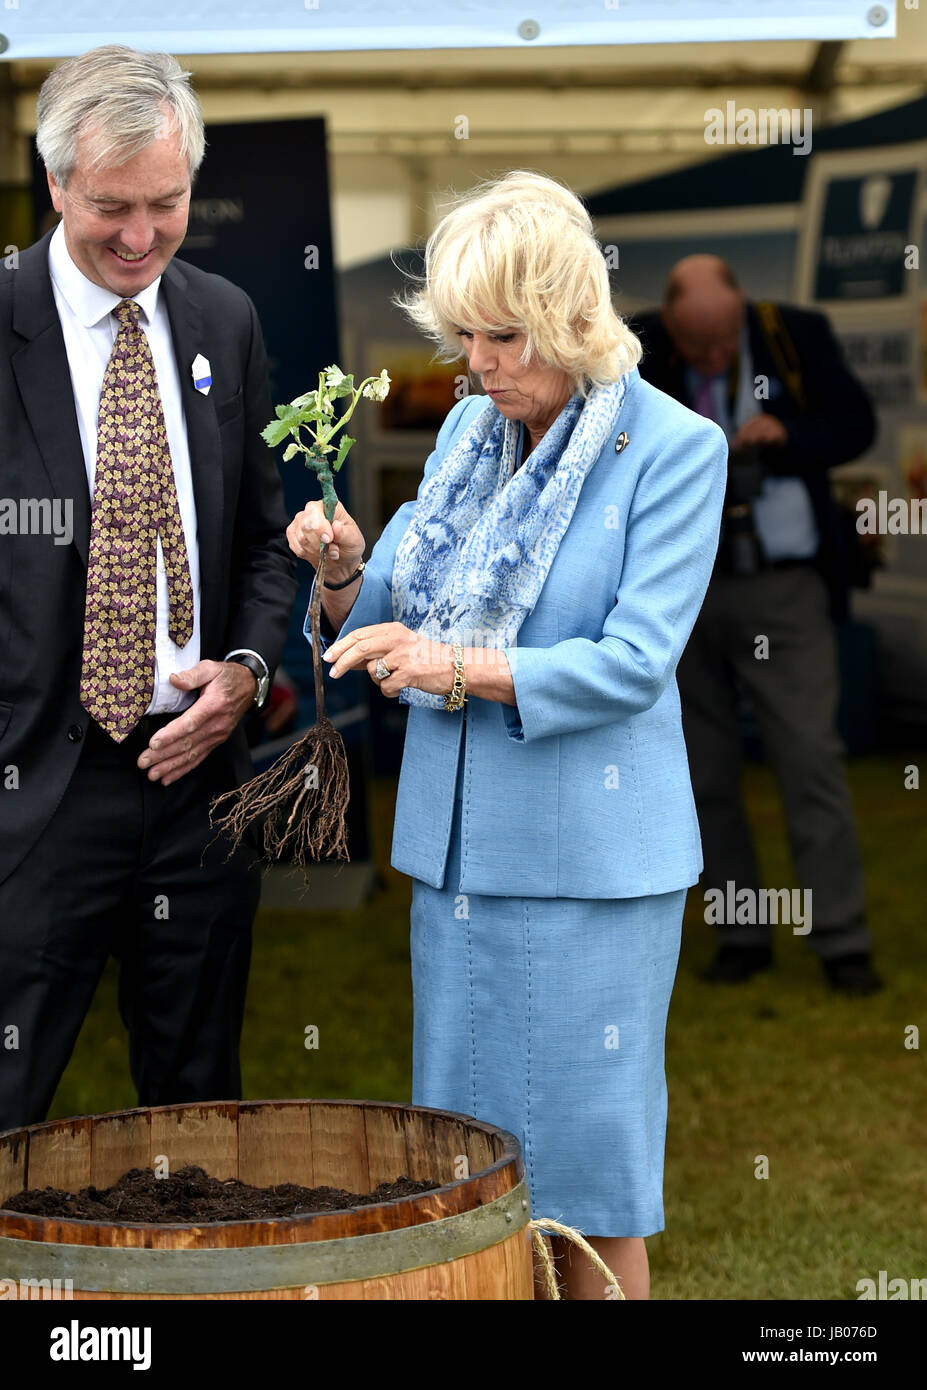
{"points": [[58, 27]]}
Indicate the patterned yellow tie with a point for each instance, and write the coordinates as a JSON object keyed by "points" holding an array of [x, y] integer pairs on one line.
{"points": [[134, 502]]}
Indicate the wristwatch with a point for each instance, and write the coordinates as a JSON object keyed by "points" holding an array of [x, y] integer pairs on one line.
{"points": [[258, 670]]}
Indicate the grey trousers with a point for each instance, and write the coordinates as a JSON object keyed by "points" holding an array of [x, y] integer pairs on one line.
{"points": [[793, 694]]}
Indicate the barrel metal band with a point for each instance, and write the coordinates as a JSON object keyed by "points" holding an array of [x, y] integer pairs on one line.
{"points": [[259, 1268]]}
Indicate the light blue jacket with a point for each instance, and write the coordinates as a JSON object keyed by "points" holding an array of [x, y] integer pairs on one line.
{"points": [[582, 788]]}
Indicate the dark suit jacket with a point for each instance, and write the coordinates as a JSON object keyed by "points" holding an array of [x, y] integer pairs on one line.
{"points": [[247, 570], [837, 426]]}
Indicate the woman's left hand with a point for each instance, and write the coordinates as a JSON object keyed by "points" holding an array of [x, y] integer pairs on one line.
{"points": [[412, 660]]}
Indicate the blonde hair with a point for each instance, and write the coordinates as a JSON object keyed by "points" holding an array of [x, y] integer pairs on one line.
{"points": [[517, 254], [118, 96]]}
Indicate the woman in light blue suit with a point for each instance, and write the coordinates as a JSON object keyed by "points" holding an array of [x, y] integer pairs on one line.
{"points": [[530, 606]]}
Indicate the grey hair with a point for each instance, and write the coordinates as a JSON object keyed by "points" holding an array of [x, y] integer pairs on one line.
{"points": [[117, 96]]}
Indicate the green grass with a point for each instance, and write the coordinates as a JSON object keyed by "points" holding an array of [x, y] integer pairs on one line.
{"points": [[821, 1085]]}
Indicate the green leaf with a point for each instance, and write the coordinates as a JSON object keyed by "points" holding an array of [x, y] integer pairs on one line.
{"points": [[275, 433], [337, 384], [344, 445], [309, 396], [344, 388], [290, 451]]}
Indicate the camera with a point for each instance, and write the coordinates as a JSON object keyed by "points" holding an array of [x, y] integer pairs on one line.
{"points": [[740, 550]]}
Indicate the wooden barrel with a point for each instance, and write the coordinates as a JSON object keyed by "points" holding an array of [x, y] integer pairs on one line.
{"points": [[468, 1238]]}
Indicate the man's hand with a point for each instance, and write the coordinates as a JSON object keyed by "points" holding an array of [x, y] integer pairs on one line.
{"points": [[413, 660], [760, 429], [226, 692]]}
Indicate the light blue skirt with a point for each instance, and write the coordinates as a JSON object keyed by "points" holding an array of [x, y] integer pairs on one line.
{"points": [[547, 1017]]}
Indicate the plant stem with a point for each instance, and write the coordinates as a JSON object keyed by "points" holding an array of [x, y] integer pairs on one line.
{"points": [[342, 420], [315, 627]]}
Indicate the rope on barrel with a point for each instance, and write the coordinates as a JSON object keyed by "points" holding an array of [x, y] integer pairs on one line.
{"points": [[547, 1259]]}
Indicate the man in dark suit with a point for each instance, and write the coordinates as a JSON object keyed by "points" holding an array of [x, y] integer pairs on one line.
{"points": [[774, 379], [134, 640]]}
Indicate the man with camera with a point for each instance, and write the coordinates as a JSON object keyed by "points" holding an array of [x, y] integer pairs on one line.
{"points": [[774, 379]]}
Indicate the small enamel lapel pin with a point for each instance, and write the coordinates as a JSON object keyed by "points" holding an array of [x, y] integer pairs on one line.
{"points": [[202, 375]]}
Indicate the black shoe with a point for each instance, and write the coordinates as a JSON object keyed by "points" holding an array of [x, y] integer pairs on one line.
{"points": [[853, 974], [734, 964]]}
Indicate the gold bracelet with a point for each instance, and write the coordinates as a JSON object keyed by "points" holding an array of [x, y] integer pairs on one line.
{"points": [[456, 697]]}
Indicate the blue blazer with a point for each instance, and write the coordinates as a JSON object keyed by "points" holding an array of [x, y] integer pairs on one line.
{"points": [[582, 788]]}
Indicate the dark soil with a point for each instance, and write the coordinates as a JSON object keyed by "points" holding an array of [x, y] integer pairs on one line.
{"points": [[190, 1195]]}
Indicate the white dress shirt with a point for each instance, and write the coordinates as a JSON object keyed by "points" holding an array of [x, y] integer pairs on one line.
{"points": [[783, 514]]}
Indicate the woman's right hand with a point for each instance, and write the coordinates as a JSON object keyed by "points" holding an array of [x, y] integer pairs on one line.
{"points": [[309, 528]]}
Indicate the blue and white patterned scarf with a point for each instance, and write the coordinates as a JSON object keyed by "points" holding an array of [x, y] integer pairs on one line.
{"points": [[472, 563]]}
